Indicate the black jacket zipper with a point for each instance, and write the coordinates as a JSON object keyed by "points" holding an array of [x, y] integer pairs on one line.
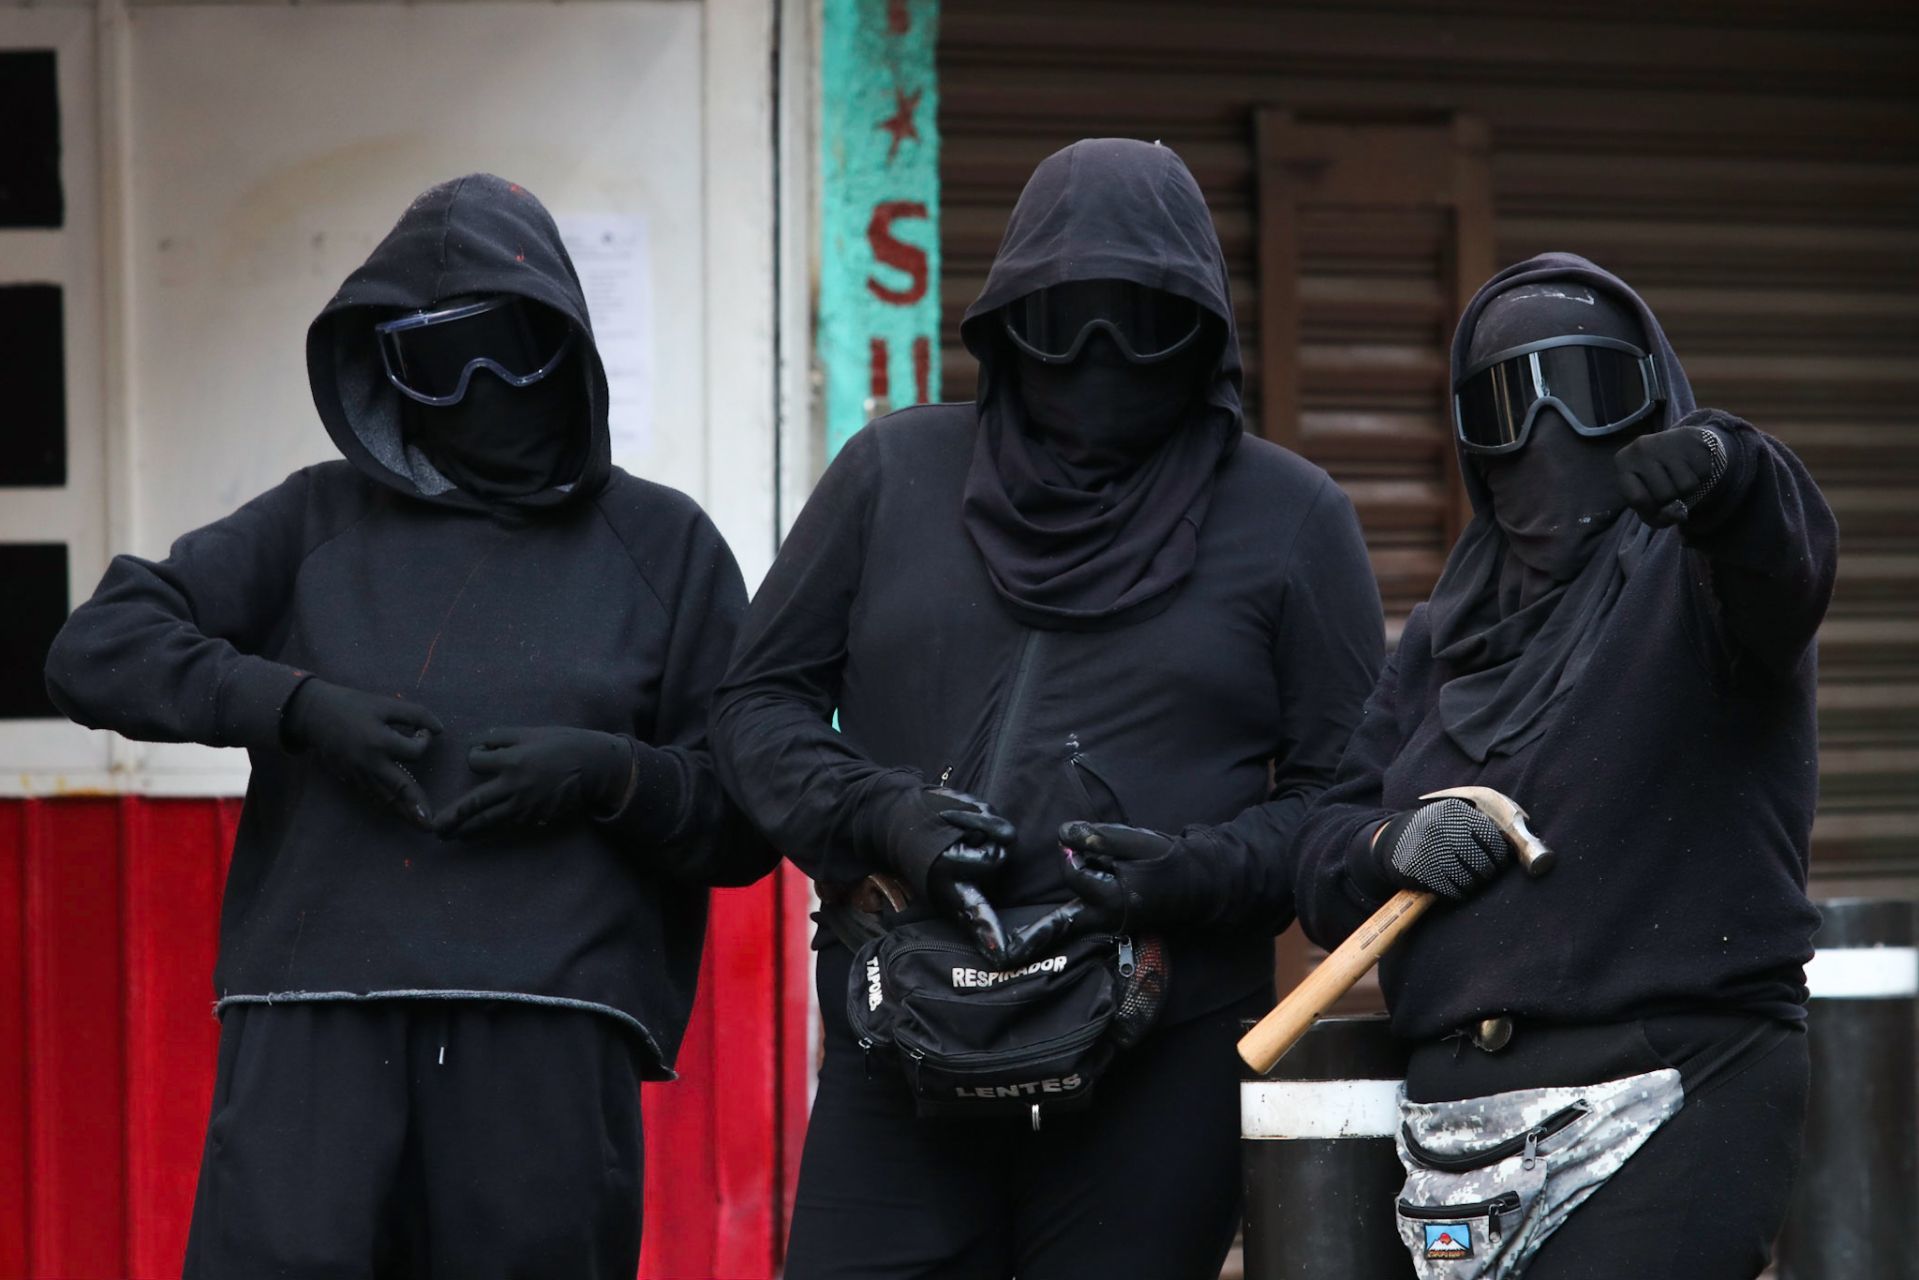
{"points": [[1010, 715]]}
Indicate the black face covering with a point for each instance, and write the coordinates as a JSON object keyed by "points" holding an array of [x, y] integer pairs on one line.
{"points": [[504, 441], [1555, 501], [1556, 498], [1526, 591], [1101, 415]]}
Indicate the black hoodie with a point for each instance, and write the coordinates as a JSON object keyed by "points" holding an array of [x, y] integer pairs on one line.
{"points": [[1675, 773], [1222, 713], [606, 602]]}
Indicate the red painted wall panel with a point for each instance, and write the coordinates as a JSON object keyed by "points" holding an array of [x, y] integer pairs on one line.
{"points": [[108, 922], [76, 1182], [13, 1041]]}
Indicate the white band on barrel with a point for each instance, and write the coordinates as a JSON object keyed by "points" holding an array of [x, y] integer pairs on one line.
{"points": [[1864, 973], [1318, 1108]]}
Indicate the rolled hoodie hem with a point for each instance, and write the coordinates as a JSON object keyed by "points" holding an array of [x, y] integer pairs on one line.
{"points": [[664, 1072]]}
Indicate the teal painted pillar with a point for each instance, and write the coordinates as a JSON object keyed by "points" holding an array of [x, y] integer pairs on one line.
{"points": [[879, 305]]}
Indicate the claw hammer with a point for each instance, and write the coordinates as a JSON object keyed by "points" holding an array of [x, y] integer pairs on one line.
{"points": [[1279, 1030]]}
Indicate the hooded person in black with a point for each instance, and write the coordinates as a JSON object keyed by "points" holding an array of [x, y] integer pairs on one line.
{"points": [[1623, 642], [471, 665], [1083, 601]]}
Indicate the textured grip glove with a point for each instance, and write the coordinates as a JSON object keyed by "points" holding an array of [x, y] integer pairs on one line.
{"points": [[1447, 847], [1665, 474], [363, 738], [539, 776]]}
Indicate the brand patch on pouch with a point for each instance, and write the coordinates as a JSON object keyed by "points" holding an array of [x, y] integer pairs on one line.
{"points": [[1449, 1240]]}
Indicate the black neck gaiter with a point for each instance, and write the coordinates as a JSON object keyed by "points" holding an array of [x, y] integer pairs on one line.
{"points": [[503, 441], [1090, 480]]}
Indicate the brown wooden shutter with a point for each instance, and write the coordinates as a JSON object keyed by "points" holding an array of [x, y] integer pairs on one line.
{"points": [[1371, 239]]}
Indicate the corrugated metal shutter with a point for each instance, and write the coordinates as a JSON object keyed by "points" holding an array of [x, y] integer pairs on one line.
{"points": [[109, 913], [1753, 168]]}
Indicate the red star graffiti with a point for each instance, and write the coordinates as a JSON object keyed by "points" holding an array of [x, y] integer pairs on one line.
{"points": [[900, 123]]}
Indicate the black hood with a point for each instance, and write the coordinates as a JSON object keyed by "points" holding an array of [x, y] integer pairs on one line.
{"points": [[1111, 209], [477, 234], [1568, 266], [1510, 661], [1065, 552]]}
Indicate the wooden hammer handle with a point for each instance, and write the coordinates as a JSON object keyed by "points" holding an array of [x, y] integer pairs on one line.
{"points": [[1279, 1030]]}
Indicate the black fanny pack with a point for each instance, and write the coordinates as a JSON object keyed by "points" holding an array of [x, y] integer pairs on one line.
{"points": [[974, 1041]]}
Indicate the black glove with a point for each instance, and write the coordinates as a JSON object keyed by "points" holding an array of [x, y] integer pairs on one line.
{"points": [[541, 776], [1665, 474], [972, 842], [1448, 847], [1127, 878], [362, 737]]}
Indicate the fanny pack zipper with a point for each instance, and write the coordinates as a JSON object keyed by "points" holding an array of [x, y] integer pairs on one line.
{"points": [[1526, 1143], [1039, 1052], [1503, 1203]]}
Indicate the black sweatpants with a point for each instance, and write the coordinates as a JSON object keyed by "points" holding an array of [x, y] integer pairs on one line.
{"points": [[1706, 1195], [1145, 1182], [423, 1139]]}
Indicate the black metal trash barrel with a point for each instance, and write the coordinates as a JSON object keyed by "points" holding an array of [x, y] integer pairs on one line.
{"points": [[1316, 1147], [1855, 1207]]}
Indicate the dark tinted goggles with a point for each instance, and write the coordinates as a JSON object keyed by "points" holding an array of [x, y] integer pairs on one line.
{"points": [[1147, 325], [431, 355], [1600, 385]]}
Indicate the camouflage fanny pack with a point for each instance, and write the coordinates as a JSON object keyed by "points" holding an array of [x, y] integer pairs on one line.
{"points": [[1488, 1179]]}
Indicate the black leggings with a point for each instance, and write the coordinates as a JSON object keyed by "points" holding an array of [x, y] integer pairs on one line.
{"points": [[1145, 1182], [1705, 1196]]}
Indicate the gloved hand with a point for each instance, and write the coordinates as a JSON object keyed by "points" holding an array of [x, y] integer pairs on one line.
{"points": [[540, 776], [363, 738], [1448, 847], [1127, 878], [975, 843], [1665, 474]]}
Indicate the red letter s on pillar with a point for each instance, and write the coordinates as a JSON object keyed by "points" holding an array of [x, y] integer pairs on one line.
{"points": [[897, 253]]}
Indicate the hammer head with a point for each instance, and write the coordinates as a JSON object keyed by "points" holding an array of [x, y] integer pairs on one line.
{"points": [[1511, 820]]}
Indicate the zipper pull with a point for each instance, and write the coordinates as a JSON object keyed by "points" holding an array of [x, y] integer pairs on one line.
{"points": [[945, 773], [1502, 1205], [866, 1054], [1126, 965], [1531, 1157]]}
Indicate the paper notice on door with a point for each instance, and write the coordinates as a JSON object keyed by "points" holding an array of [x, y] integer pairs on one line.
{"points": [[610, 252]]}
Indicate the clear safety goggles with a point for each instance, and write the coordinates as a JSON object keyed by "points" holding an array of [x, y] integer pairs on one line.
{"points": [[431, 355], [1600, 385], [1148, 325]]}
